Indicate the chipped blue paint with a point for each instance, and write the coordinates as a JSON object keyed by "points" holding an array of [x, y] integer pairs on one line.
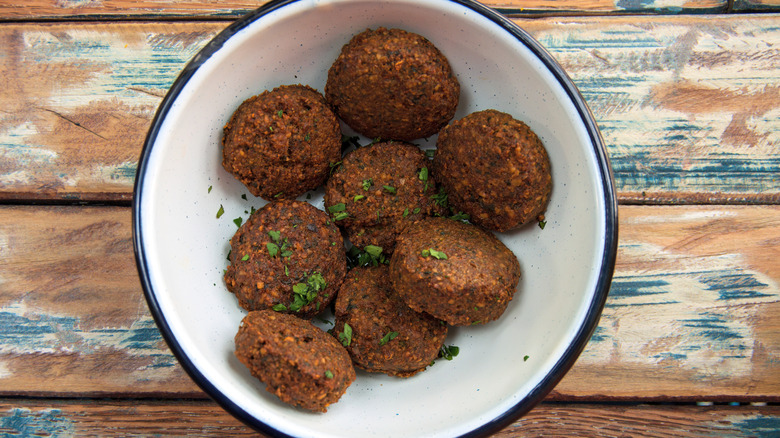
{"points": [[24, 423], [713, 327], [28, 332], [760, 426], [617, 70], [736, 286]]}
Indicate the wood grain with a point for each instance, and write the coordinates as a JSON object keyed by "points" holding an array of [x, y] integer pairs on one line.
{"points": [[206, 419], [692, 313], [756, 5], [689, 107], [165, 9]]}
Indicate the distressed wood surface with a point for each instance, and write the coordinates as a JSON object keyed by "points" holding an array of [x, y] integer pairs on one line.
{"points": [[162, 9], [693, 312], [756, 5], [689, 107], [206, 419]]}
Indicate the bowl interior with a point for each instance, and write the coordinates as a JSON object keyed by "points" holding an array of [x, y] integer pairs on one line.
{"points": [[182, 245]]}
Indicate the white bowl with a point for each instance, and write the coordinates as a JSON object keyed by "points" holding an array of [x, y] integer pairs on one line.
{"points": [[505, 367]]}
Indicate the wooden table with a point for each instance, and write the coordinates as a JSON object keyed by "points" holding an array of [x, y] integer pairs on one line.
{"points": [[686, 93]]}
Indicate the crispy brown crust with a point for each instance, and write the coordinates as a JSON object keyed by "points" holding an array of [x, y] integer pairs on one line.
{"points": [[368, 303], [473, 285], [495, 169], [280, 143], [380, 215], [260, 281], [392, 84], [297, 361]]}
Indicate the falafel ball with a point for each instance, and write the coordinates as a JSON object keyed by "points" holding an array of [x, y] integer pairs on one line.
{"points": [[281, 143], [377, 190], [301, 364], [287, 256], [494, 168], [455, 271], [386, 335], [393, 85]]}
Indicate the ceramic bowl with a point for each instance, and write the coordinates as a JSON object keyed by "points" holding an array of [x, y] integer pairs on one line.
{"points": [[505, 367]]}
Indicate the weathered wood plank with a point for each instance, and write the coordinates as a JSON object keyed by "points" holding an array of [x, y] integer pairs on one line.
{"points": [[161, 9], [689, 107], [693, 311], [756, 5], [206, 419]]}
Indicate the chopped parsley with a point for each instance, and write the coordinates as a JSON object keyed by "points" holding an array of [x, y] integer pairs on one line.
{"points": [[243, 196], [334, 166], [440, 198], [238, 221], [346, 336], [388, 337], [210, 187], [390, 189], [279, 194], [273, 249], [279, 307], [423, 175], [460, 216], [328, 374], [280, 113], [358, 198], [340, 215], [371, 255], [307, 137], [367, 183], [416, 210], [448, 351], [275, 235], [542, 223], [221, 211], [337, 207], [525, 358], [406, 212], [305, 293], [430, 252], [245, 257]]}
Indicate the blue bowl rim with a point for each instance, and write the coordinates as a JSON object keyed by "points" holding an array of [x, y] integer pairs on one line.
{"points": [[608, 256]]}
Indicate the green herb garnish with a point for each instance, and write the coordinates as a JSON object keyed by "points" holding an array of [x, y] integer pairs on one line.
{"points": [[423, 175], [387, 338], [460, 216], [440, 198], [221, 211], [210, 187], [305, 293], [430, 153], [275, 235], [416, 210], [525, 358], [542, 223], [430, 252], [273, 249], [406, 212], [448, 351], [279, 194], [346, 336], [367, 183], [341, 215], [390, 189], [337, 208], [328, 374], [371, 255], [358, 198], [245, 257], [238, 221], [280, 113], [279, 307]]}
